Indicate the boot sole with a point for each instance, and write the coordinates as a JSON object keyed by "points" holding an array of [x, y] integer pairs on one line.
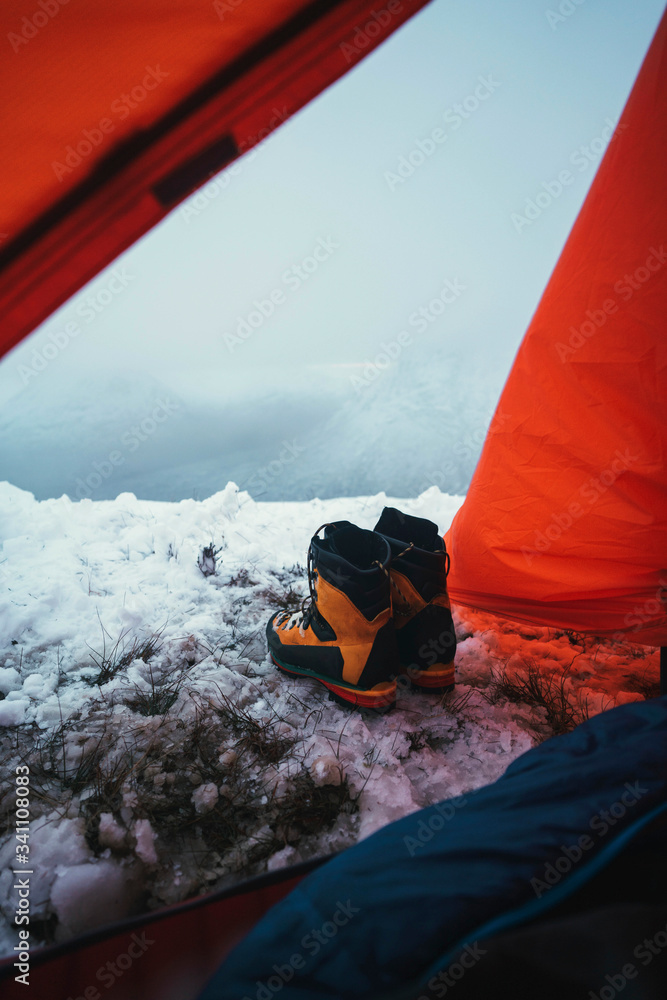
{"points": [[380, 699], [439, 677], [431, 627]]}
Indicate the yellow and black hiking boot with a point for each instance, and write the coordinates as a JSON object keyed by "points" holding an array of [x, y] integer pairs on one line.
{"points": [[420, 602], [345, 637]]}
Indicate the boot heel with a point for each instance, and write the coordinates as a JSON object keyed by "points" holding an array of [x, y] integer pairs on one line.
{"points": [[438, 677]]}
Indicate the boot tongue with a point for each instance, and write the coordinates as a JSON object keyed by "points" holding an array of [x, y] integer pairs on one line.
{"points": [[405, 528], [356, 545]]}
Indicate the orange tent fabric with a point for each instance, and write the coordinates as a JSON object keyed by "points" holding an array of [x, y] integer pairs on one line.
{"points": [[565, 522], [113, 111]]}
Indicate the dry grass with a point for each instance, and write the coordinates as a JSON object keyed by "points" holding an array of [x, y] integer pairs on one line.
{"points": [[241, 579], [116, 656], [563, 709], [159, 697], [456, 702], [258, 738], [287, 593], [207, 559], [309, 808], [647, 686], [64, 758], [420, 739]]}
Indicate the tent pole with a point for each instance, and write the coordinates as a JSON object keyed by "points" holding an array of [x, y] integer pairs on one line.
{"points": [[663, 670]]}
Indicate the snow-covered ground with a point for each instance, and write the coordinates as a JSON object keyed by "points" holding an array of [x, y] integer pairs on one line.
{"points": [[168, 757]]}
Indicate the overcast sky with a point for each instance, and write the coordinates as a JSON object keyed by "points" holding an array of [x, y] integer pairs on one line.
{"points": [[516, 93]]}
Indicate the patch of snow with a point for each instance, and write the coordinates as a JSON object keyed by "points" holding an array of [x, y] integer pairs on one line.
{"points": [[283, 859], [205, 797], [111, 834], [86, 896], [13, 711], [145, 837], [326, 771], [10, 680]]}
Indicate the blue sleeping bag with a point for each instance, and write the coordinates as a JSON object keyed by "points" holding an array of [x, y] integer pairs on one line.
{"points": [[400, 914]]}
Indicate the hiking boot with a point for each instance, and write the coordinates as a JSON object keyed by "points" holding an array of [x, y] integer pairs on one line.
{"points": [[345, 637], [420, 603]]}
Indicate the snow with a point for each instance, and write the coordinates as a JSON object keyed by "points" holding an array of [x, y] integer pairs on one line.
{"points": [[326, 770], [283, 859], [10, 680], [170, 757], [85, 896], [205, 797], [145, 839], [12, 713], [111, 834], [57, 845]]}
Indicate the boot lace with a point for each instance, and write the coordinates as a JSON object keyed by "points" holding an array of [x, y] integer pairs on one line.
{"points": [[396, 611], [308, 610], [411, 546], [391, 579]]}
